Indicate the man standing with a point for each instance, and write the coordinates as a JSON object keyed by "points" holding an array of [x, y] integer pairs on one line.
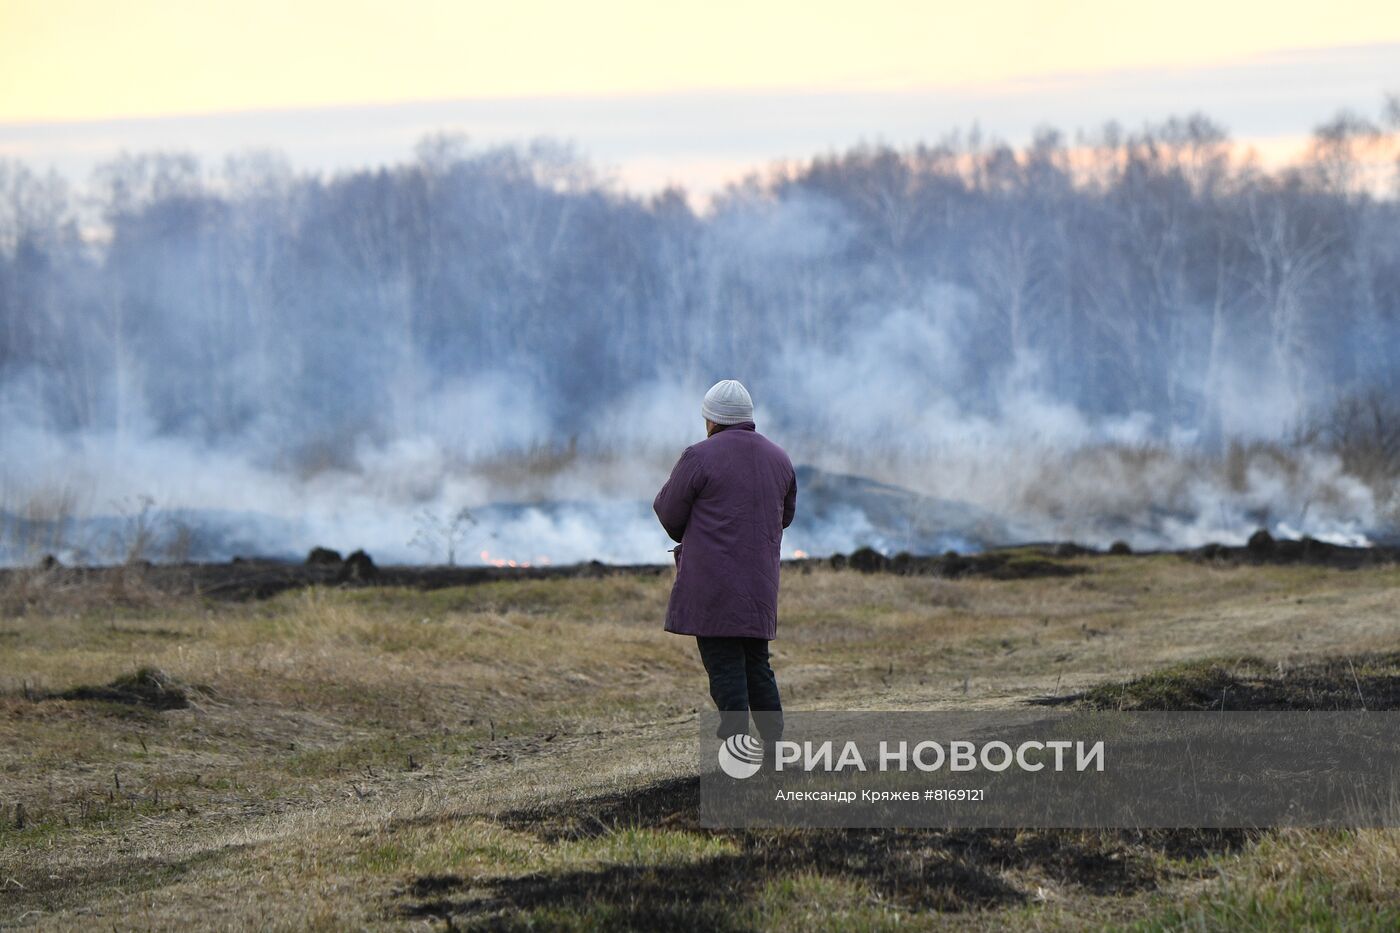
{"points": [[727, 502]]}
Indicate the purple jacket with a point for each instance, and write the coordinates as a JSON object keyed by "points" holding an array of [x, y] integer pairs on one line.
{"points": [[727, 501]]}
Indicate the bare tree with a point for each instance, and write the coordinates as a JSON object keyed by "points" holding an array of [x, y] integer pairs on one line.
{"points": [[442, 532]]}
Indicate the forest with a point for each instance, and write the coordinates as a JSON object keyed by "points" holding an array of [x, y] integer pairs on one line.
{"points": [[1158, 286]]}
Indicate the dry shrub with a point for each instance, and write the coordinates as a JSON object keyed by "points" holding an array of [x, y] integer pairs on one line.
{"points": [[58, 590], [1364, 431], [1243, 458], [38, 524]]}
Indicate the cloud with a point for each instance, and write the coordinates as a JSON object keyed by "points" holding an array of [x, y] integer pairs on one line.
{"points": [[705, 139]]}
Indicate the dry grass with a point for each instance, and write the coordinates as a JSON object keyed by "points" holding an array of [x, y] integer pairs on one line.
{"points": [[342, 748], [55, 590], [1295, 879]]}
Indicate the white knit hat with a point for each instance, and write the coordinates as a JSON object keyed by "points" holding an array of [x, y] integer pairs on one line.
{"points": [[727, 402]]}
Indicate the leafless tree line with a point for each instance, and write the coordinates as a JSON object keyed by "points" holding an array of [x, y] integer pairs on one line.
{"points": [[1158, 272]]}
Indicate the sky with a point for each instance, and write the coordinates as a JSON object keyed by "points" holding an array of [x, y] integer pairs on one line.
{"points": [[694, 93]]}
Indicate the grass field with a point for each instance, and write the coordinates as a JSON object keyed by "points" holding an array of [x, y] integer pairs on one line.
{"points": [[520, 754]]}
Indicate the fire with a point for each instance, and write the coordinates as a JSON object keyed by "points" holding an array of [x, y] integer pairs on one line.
{"points": [[799, 554], [486, 558]]}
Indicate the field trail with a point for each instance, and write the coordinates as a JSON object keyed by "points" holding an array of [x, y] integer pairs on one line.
{"points": [[352, 742]]}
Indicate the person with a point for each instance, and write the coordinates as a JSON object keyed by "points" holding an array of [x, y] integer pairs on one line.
{"points": [[727, 501]]}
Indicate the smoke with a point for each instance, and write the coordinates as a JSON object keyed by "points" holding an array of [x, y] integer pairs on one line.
{"points": [[1025, 354], [888, 408]]}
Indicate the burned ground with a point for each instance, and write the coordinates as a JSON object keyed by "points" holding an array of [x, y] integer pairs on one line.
{"points": [[911, 871], [1365, 681], [256, 578]]}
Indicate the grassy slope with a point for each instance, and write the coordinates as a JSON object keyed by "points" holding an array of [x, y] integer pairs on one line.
{"points": [[363, 757]]}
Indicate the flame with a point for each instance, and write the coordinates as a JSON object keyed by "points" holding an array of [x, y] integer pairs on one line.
{"points": [[799, 554], [486, 558]]}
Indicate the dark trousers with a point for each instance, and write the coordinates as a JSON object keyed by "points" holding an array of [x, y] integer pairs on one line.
{"points": [[741, 680]]}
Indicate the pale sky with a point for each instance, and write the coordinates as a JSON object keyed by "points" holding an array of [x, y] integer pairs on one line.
{"points": [[663, 90]]}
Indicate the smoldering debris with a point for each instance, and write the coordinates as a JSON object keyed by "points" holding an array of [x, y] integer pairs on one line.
{"points": [[1011, 564], [261, 578], [324, 556]]}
